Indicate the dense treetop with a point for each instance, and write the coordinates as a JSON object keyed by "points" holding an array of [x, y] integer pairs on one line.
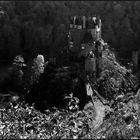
{"points": [[40, 27]]}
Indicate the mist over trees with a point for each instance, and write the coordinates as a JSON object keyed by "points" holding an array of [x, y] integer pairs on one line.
{"points": [[33, 27]]}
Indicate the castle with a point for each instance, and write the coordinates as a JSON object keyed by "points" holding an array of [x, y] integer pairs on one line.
{"points": [[84, 40], [83, 34]]}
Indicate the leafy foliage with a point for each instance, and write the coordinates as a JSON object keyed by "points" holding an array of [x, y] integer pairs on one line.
{"points": [[114, 79], [40, 27], [23, 121], [94, 121]]}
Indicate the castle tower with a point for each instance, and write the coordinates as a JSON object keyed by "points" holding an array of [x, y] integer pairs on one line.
{"points": [[82, 27]]}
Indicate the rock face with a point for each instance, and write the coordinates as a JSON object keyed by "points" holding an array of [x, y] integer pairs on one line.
{"points": [[100, 113]]}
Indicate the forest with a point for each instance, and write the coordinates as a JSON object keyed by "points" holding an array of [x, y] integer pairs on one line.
{"points": [[75, 99], [30, 28]]}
